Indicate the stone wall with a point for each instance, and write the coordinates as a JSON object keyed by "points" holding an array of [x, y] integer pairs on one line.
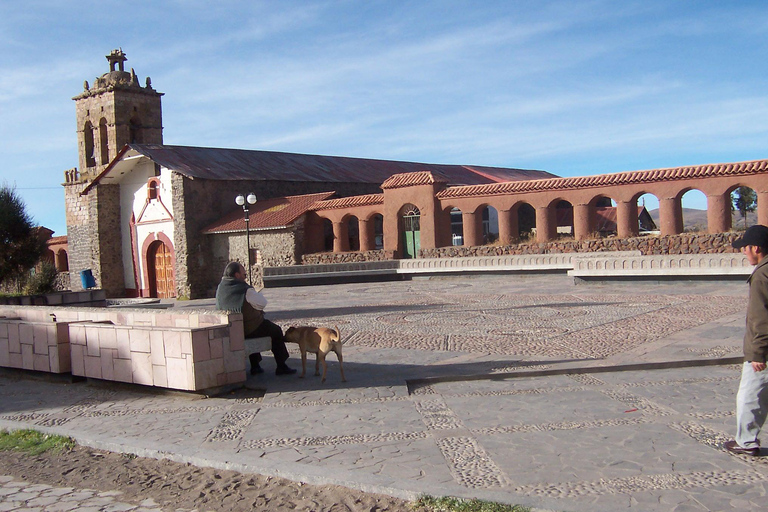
{"points": [[106, 233], [89, 298], [78, 232], [198, 203], [62, 283], [93, 236], [687, 243], [346, 257]]}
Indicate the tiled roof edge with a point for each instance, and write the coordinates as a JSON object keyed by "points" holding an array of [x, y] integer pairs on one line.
{"points": [[605, 180], [239, 230], [408, 179], [347, 202]]}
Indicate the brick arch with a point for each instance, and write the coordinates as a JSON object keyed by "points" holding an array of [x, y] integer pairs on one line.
{"points": [[665, 184], [351, 223], [736, 185], [148, 241], [372, 232], [62, 260], [489, 229], [453, 226], [435, 199], [730, 201], [327, 234]]}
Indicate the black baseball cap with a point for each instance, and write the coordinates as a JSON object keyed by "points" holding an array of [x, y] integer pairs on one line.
{"points": [[754, 235]]}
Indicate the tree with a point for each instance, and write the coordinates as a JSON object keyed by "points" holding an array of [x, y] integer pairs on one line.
{"points": [[744, 201], [20, 247]]}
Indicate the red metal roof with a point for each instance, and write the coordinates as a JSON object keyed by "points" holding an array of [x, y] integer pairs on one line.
{"points": [[268, 214], [236, 164]]}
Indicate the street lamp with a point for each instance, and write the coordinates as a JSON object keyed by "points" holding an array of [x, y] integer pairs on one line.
{"points": [[244, 202]]}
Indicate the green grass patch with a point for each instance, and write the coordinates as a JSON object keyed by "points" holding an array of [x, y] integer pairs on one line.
{"points": [[34, 442], [448, 504]]}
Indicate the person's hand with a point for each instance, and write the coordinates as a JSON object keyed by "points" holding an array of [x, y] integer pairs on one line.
{"points": [[757, 366]]}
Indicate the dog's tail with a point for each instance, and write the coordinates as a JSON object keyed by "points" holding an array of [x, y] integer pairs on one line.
{"points": [[338, 335]]}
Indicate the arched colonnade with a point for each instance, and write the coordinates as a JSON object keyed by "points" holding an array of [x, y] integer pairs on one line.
{"points": [[429, 194]]}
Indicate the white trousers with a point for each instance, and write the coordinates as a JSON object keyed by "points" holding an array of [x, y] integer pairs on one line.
{"points": [[751, 406]]}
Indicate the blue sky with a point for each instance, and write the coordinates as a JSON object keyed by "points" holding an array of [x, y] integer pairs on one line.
{"points": [[570, 87]]}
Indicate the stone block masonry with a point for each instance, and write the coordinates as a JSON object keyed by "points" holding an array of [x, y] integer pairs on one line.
{"points": [[93, 236], [106, 233], [198, 203], [79, 238], [189, 351], [685, 243], [38, 346]]}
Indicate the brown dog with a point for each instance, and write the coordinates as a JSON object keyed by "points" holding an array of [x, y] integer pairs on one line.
{"points": [[320, 341]]}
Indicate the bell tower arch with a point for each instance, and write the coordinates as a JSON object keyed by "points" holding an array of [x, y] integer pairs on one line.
{"points": [[115, 111]]}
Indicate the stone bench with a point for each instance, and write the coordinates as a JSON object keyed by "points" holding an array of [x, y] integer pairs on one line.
{"points": [[678, 266], [184, 358], [189, 350], [42, 346]]}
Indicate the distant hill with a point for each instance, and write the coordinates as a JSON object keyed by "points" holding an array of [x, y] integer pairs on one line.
{"points": [[697, 219]]}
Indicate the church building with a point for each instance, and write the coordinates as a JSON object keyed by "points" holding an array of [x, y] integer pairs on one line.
{"points": [[156, 220]]}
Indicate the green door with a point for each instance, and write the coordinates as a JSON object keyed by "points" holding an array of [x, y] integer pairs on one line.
{"points": [[411, 232]]}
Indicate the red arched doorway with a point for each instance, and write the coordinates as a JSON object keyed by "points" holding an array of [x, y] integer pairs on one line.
{"points": [[160, 265]]}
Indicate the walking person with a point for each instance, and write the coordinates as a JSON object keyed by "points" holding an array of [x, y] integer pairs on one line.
{"points": [[752, 398]]}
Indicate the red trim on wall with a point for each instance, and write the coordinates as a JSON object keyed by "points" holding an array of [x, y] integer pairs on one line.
{"points": [[152, 237], [134, 255]]}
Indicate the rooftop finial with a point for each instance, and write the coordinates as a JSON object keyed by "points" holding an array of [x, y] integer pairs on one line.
{"points": [[117, 57]]}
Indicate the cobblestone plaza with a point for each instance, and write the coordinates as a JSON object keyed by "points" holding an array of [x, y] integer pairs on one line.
{"points": [[498, 387]]}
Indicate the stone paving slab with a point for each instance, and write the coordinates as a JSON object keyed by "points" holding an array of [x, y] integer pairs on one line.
{"points": [[430, 405], [19, 495]]}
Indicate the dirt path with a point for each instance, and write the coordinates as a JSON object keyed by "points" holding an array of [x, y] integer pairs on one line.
{"points": [[173, 485]]}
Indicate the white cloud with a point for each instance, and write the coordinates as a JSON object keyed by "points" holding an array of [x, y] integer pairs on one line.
{"points": [[569, 87]]}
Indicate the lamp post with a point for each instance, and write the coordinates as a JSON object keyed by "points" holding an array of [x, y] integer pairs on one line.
{"points": [[244, 201]]}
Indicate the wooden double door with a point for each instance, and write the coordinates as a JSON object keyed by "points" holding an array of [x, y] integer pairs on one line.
{"points": [[161, 276]]}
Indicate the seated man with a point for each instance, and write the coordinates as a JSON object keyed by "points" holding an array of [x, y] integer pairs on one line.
{"points": [[237, 296]]}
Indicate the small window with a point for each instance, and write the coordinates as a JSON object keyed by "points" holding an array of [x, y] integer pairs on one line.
{"points": [[152, 189]]}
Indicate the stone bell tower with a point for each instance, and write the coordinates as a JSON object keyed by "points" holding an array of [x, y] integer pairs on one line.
{"points": [[115, 111]]}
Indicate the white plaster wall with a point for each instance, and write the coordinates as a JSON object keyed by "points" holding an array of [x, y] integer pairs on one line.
{"points": [[133, 197]]}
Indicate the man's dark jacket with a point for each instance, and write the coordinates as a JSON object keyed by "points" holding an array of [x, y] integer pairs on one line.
{"points": [[756, 335]]}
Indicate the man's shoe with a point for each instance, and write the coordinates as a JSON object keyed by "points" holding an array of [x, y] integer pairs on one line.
{"points": [[284, 370], [733, 447], [256, 369]]}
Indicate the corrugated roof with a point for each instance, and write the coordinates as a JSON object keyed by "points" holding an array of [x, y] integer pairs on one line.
{"points": [[603, 180], [271, 213], [240, 164]]}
